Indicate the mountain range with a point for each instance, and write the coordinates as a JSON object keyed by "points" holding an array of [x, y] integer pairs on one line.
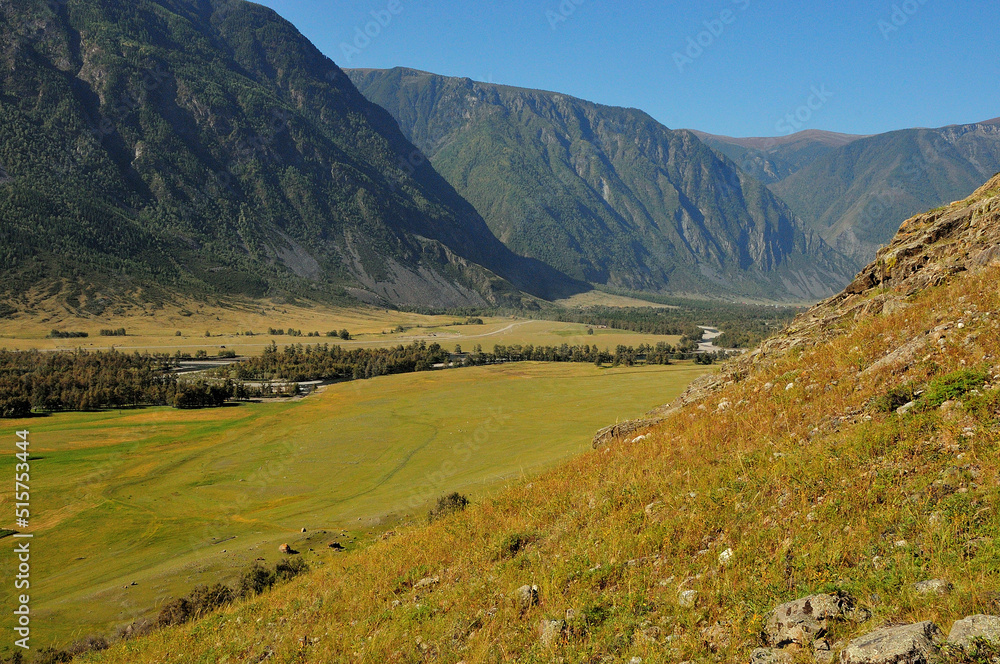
{"points": [[206, 146], [607, 195], [854, 190]]}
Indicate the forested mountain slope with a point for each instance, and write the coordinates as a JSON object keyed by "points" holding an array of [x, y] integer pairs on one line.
{"points": [[207, 146]]}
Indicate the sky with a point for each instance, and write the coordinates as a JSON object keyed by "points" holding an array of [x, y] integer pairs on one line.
{"points": [[731, 67]]}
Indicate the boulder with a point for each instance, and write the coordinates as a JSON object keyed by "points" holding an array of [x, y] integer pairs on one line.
{"points": [[770, 656], [917, 643], [804, 620], [965, 630], [284, 548], [427, 582], [526, 596], [550, 631], [932, 587], [687, 598]]}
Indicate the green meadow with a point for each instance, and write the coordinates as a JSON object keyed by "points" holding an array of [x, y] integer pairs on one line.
{"points": [[131, 508]]}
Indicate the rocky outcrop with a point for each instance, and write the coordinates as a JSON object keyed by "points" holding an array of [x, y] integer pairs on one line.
{"points": [[927, 250], [904, 644], [966, 630], [804, 620]]}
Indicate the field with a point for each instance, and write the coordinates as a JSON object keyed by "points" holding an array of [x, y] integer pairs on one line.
{"points": [[156, 330], [168, 499]]}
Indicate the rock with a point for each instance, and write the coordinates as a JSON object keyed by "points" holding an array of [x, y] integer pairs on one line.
{"points": [[917, 643], [526, 596], [303, 530], [550, 631], [427, 582], [336, 546], [725, 556], [716, 637], [804, 620], [284, 548], [965, 630], [905, 408], [770, 656], [687, 598], [933, 587]]}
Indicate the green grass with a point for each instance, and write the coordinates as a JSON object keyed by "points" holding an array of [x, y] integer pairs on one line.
{"points": [[169, 499]]}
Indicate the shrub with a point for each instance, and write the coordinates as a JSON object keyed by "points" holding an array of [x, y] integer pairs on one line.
{"points": [[255, 580], [954, 385], [893, 399], [208, 598], [175, 612], [453, 502], [289, 568], [513, 544]]}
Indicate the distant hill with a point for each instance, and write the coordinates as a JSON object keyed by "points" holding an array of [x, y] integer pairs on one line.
{"points": [[855, 195], [207, 146], [773, 159], [606, 195]]}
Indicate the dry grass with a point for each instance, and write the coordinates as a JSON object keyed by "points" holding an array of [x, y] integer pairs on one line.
{"points": [[866, 504]]}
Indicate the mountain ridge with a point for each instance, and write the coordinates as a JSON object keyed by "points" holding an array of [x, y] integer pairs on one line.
{"points": [[605, 194]]}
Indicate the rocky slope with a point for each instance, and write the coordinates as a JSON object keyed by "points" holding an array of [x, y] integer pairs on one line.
{"points": [[606, 195], [206, 146]]}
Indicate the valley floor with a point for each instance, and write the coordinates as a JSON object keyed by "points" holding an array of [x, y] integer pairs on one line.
{"points": [[168, 499]]}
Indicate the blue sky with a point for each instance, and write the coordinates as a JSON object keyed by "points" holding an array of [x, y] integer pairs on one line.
{"points": [[736, 67]]}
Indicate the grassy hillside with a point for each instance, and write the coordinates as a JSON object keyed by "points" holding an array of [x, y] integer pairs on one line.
{"points": [[170, 499], [793, 462], [607, 195]]}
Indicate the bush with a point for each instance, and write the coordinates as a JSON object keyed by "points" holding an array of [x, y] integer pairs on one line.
{"points": [[175, 612], [513, 544], [227, 353], [893, 399], [57, 334], [954, 385], [453, 502], [255, 580], [204, 599], [289, 568]]}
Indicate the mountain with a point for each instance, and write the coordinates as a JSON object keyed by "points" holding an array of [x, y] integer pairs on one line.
{"points": [[207, 146], [773, 159], [833, 498], [855, 195], [606, 195]]}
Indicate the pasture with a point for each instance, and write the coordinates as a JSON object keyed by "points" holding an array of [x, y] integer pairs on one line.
{"points": [[131, 508]]}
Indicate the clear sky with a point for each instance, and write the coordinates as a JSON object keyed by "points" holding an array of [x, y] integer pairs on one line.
{"points": [[736, 67]]}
